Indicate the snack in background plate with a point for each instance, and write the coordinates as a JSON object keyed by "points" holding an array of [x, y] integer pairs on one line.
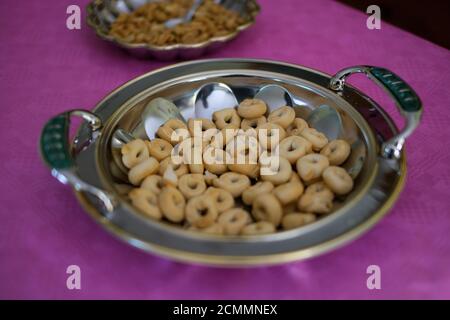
{"points": [[146, 24]]}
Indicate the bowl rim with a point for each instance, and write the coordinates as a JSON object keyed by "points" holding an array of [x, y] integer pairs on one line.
{"points": [[246, 261], [229, 260], [91, 21], [113, 119]]}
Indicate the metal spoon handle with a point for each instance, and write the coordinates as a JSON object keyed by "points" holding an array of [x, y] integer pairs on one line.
{"points": [[191, 12]]}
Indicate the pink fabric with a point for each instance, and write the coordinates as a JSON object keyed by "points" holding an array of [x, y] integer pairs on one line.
{"points": [[47, 69]]}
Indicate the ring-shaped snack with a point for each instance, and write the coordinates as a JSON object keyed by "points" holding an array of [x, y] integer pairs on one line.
{"points": [[234, 220], [311, 166], [288, 192], [266, 207], [294, 147], [154, 183], [296, 127], [337, 151], [172, 204], [224, 199], [277, 173], [258, 228], [134, 152], [201, 211], [197, 126], [179, 169], [215, 160], [159, 149], [233, 182], [317, 139], [296, 219], [209, 177], [227, 119], [173, 131], [270, 135], [191, 185], [260, 187], [142, 170], [146, 201], [251, 108], [318, 198], [215, 229], [338, 180], [247, 124], [283, 116]]}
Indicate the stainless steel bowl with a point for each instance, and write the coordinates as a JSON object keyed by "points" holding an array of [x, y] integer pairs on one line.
{"points": [[90, 164], [102, 13]]}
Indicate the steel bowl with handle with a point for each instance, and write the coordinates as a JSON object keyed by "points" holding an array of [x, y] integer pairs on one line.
{"points": [[91, 162], [102, 13]]}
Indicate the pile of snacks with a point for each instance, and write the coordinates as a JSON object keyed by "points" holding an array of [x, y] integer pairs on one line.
{"points": [[146, 24], [246, 171]]}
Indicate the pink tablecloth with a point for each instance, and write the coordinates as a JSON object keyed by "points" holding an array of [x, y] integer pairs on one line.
{"points": [[46, 69]]}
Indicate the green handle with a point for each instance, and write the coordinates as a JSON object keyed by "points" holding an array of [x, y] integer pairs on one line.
{"points": [[405, 96], [55, 150], [54, 142], [406, 99]]}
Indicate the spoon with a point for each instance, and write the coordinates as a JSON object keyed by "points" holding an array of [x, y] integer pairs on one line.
{"points": [[187, 17], [324, 118], [212, 97], [275, 96], [215, 96], [155, 114], [119, 138]]}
